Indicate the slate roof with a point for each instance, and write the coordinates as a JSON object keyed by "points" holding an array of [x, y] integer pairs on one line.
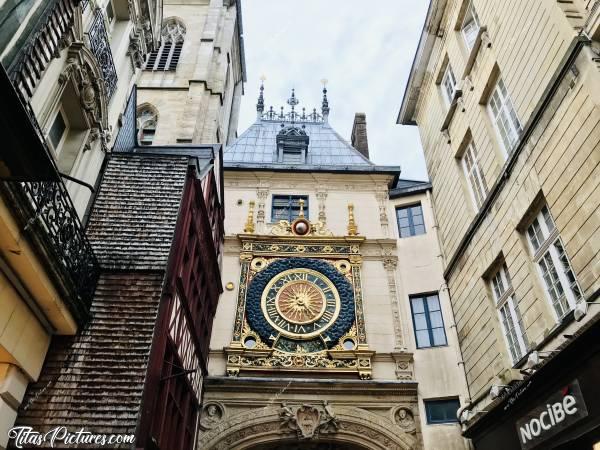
{"points": [[408, 187], [95, 379], [256, 148]]}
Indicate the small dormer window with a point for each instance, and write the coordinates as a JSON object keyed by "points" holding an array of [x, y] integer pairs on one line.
{"points": [[292, 145], [292, 157]]}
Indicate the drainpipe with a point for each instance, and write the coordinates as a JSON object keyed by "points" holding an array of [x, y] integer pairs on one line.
{"points": [[447, 288]]}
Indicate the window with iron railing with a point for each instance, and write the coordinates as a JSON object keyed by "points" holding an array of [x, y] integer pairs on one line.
{"points": [[100, 47]]}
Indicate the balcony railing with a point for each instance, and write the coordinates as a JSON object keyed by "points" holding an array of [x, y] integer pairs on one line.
{"points": [[51, 217], [98, 42], [43, 208]]}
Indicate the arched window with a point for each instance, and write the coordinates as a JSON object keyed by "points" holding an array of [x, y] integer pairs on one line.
{"points": [[167, 56], [147, 118]]}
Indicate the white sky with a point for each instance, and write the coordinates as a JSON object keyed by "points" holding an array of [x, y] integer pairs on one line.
{"points": [[363, 48]]}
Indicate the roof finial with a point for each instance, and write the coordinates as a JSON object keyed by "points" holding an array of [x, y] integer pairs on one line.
{"points": [[260, 106], [325, 104], [249, 225], [293, 101], [301, 212]]}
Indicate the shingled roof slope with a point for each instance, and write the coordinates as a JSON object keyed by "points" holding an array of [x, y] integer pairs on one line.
{"points": [[136, 210], [95, 379]]}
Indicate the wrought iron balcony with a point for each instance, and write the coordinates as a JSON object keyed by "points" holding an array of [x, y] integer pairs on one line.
{"points": [[50, 219], [100, 46], [41, 205]]}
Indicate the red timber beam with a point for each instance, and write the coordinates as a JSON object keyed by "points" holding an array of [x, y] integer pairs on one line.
{"points": [[179, 354]]}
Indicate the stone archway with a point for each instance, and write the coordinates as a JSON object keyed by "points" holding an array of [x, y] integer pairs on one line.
{"points": [[291, 445], [344, 428]]}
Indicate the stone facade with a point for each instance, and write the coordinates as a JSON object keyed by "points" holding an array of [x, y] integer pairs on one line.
{"points": [[547, 155], [199, 102], [254, 394]]}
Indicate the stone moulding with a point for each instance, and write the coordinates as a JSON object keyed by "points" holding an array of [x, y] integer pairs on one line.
{"points": [[277, 423], [241, 360]]}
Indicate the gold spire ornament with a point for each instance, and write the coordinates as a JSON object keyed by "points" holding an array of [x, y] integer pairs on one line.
{"points": [[249, 226], [352, 228]]}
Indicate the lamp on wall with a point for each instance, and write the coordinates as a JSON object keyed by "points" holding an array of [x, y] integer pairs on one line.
{"points": [[535, 358], [463, 414], [498, 389], [581, 310]]}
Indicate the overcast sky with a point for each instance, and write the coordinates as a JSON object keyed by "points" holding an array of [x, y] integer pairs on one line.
{"points": [[363, 48]]}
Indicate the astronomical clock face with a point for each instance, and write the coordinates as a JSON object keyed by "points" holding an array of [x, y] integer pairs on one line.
{"points": [[300, 303]]}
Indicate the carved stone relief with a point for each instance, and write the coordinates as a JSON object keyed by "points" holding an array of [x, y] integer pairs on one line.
{"points": [[382, 200], [316, 423], [82, 70], [262, 193], [390, 263], [321, 197], [405, 419], [308, 420], [211, 414]]}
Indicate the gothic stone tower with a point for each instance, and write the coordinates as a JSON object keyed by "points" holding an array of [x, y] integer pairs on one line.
{"points": [[309, 347], [191, 87]]}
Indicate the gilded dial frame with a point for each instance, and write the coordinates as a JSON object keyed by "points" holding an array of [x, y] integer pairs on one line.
{"points": [[300, 303]]}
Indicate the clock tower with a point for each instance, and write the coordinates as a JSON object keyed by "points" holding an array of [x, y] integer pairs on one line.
{"points": [[312, 345]]}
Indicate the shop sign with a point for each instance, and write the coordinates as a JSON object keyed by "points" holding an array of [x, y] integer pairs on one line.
{"points": [[559, 411]]}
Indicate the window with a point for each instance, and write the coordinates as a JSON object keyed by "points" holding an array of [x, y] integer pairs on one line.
{"points": [[292, 145], [410, 220], [442, 411], [110, 13], [147, 118], [504, 116], [448, 85], [474, 174], [427, 320], [167, 56], [553, 264], [509, 314], [287, 207], [470, 26], [291, 157], [58, 131]]}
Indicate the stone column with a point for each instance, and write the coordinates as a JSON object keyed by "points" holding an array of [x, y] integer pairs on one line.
{"points": [[321, 197], [262, 193], [382, 200], [390, 263]]}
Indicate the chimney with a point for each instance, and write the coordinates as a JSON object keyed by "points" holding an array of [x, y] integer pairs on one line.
{"points": [[359, 134]]}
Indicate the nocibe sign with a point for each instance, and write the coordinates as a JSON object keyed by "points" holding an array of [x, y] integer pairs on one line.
{"points": [[560, 410]]}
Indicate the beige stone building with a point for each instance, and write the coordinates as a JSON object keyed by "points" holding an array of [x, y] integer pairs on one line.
{"points": [[335, 329], [505, 95], [198, 102], [68, 67]]}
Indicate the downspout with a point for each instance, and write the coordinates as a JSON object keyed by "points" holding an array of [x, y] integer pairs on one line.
{"points": [[461, 361]]}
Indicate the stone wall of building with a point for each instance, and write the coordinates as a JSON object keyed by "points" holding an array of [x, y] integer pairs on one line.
{"points": [[198, 102], [392, 270], [553, 85]]}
